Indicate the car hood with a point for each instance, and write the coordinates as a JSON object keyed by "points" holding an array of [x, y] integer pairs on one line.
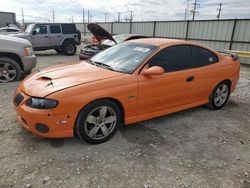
{"points": [[57, 78], [14, 39], [20, 35], [99, 32]]}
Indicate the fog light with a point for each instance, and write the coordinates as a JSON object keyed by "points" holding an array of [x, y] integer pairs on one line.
{"points": [[42, 128]]}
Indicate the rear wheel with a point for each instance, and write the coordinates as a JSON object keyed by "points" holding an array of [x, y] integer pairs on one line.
{"points": [[69, 48], [98, 121], [220, 96], [9, 70]]}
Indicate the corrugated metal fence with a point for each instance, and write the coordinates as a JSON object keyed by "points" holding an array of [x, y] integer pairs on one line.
{"points": [[233, 34]]}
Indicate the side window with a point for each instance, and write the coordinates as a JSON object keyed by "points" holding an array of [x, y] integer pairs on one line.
{"points": [[173, 58], [69, 28], [55, 29], [202, 57], [41, 29]]}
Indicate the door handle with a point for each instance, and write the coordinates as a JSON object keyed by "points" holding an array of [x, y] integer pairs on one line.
{"points": [[58, 35], [190, 79], [46, 36]]}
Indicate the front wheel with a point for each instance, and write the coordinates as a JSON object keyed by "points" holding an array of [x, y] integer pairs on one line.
{"points": [[98, 121], [220, 96], [9, 70]]}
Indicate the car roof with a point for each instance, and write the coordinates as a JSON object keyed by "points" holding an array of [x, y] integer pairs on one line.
{"points": [[9, 28], [158, 41], [165, 41]]}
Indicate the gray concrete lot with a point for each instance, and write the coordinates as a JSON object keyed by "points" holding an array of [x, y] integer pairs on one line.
{"points": [[194, 148]]}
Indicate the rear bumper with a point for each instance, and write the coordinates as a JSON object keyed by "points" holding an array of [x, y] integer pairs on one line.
{"points": [[59, 126], [29, 62]]}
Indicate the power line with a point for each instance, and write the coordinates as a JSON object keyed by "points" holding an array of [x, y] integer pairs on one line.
{"points": [[219, 9]]}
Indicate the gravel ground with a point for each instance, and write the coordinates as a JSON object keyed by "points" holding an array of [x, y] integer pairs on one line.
{"points": [[193, 148]]}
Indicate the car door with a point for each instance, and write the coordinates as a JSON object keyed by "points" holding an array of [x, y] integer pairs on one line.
{"points": [[207, 71], [55, 35], [40, 37], [172, 89]]}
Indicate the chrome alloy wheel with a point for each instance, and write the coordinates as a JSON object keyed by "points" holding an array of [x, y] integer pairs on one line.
{"points": [[7, 72], [100, 122], [221, 95]]}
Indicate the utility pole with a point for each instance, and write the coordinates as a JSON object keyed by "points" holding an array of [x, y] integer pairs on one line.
{"points": [[186, 11], [88, 15], [105, 17], [53, 15], [118, 13], [23, 17], [83, 15], [131, 16], [195, 8], [72, 19], [219, 9]]}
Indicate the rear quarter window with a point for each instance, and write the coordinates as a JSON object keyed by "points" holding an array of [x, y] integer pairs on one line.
{"points": [[203, 57], [68, 28], [55, 29]]}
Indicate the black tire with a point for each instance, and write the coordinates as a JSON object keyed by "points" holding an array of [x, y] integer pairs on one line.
{"points": [[59, 50], [69, 48], [12, 66], [82, 125], [213, 102]]}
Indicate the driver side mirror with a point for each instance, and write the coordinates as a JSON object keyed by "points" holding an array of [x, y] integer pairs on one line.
{"points": [[33, 32], [155, 70]]}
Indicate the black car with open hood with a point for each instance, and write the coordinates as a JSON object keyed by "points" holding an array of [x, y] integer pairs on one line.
{"points": [[106, 39]]}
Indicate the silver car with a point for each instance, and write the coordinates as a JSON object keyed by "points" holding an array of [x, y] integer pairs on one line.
{"points": [[16, 57]]}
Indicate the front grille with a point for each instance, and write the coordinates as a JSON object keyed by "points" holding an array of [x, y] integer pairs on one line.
{"points": [[88, 53], [18, 99]]}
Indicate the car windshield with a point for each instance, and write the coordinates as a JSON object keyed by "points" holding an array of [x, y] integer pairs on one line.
{"points": [[118, 39], [124, 57], [29, 28]]}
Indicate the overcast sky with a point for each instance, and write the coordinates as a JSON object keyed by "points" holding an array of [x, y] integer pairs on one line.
{"points": [[146, 10]]}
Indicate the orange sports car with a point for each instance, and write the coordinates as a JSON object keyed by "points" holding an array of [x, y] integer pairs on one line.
{"points": [[127, 83]]}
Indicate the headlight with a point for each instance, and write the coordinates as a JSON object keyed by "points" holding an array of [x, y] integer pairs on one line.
{"points": [[28, 51], [41, 103]]}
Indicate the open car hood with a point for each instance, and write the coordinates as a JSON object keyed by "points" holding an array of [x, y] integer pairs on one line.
{"points": [[99, 32]]}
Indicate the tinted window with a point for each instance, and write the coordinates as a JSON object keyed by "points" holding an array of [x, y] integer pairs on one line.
{"points": [[173, 58], [41, 29], [55, 29], [202, 57], [68, 28], [12, 30]]}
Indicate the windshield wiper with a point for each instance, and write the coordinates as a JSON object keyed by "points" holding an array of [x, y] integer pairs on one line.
{"points": [[103, 65]]}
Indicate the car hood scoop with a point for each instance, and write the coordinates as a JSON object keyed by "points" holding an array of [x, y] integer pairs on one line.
{"points": [[57, 78]]}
